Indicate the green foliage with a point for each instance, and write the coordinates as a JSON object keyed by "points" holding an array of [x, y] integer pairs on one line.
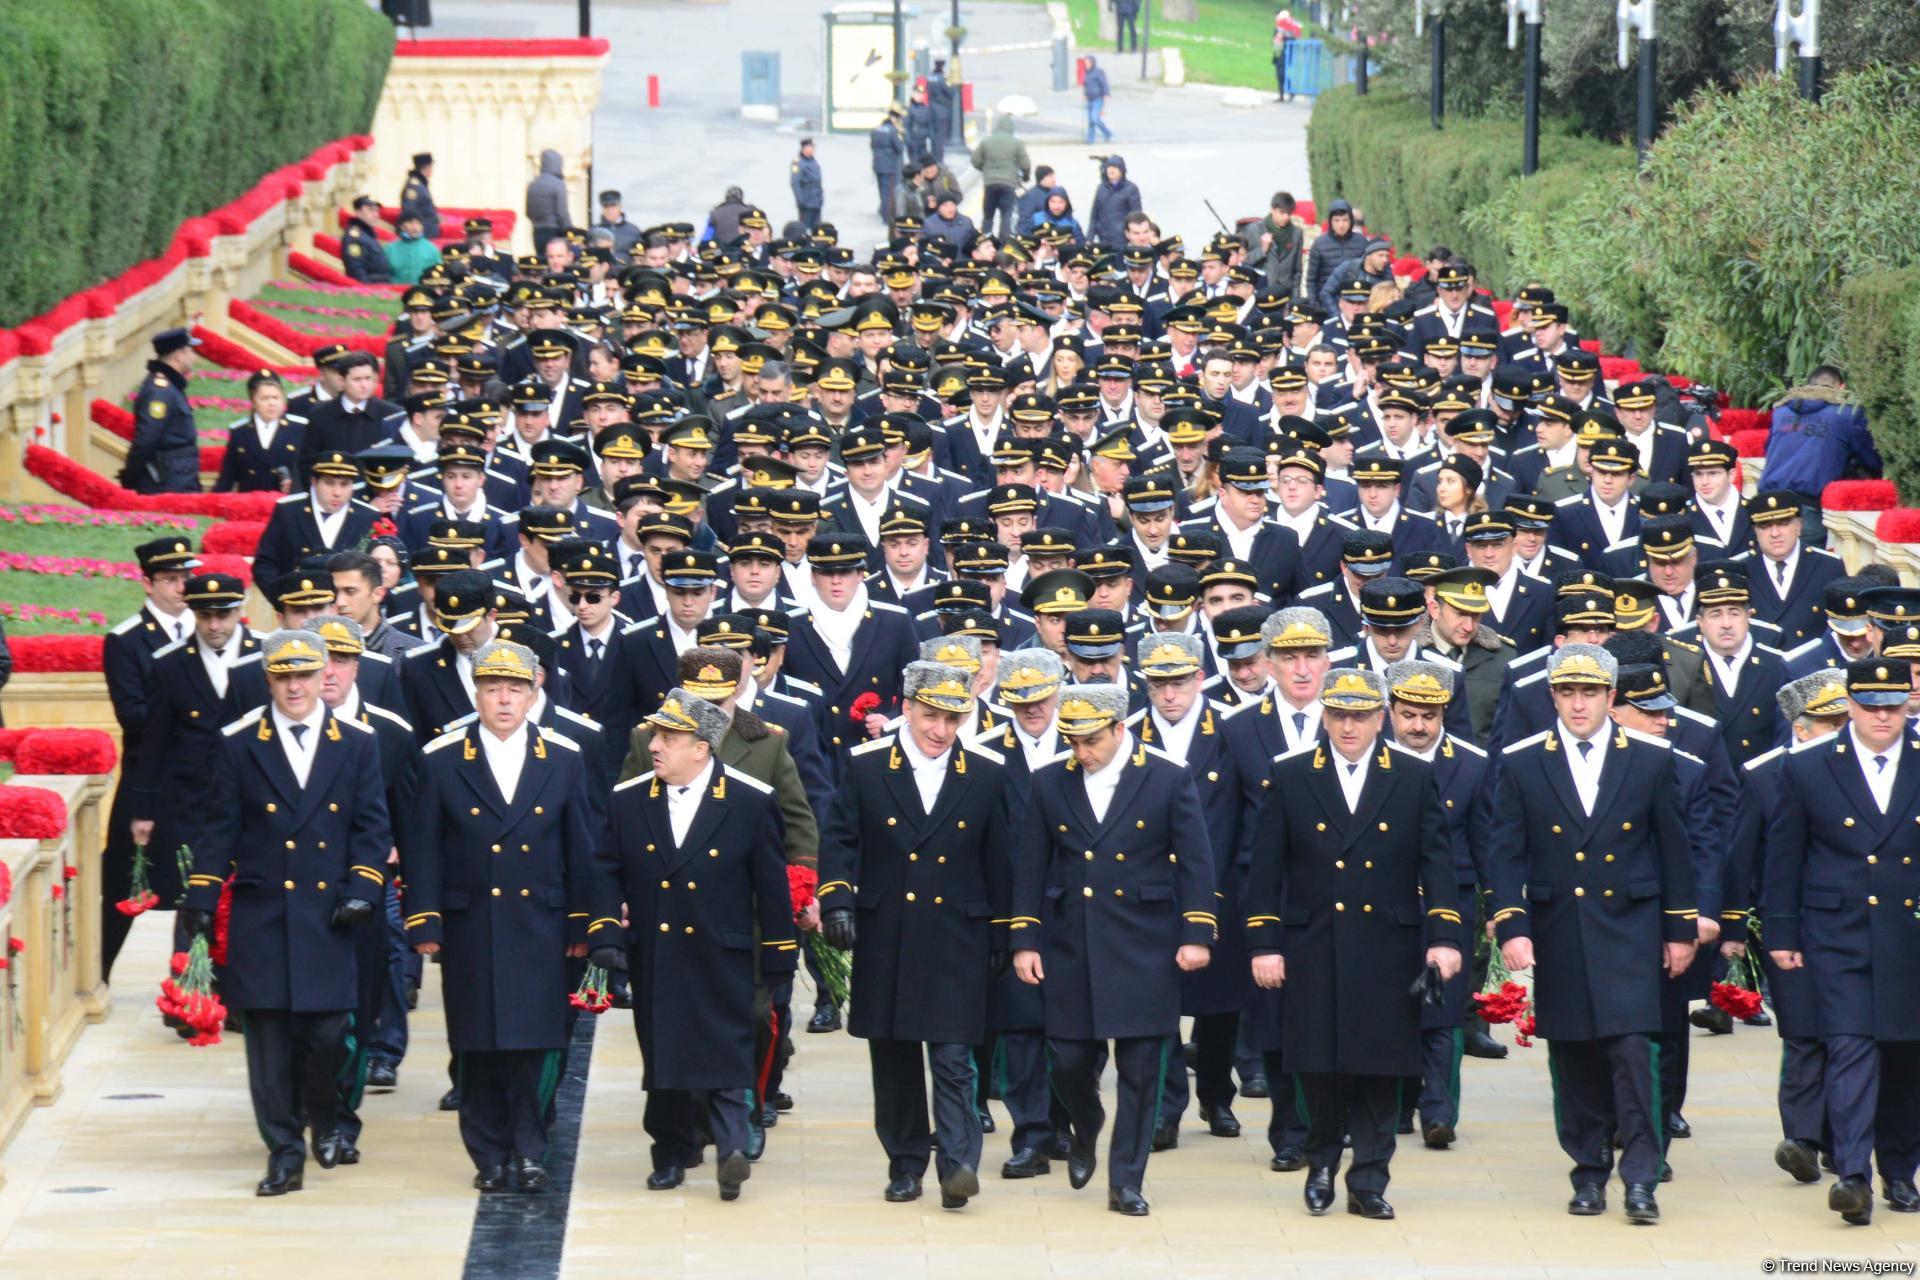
{"points": [[121, 118], [1878, 340]]}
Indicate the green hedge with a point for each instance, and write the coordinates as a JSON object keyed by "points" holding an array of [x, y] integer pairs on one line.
{"points": [[121, 118], [1415, 185], [1879, 335]]}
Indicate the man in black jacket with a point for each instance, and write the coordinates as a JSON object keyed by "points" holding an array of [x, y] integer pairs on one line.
{"points": [[165, 454]]}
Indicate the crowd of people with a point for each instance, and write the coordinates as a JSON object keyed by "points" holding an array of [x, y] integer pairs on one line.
{"points": [[1083, 638]]}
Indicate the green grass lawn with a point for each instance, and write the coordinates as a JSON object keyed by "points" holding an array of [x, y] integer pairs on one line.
{"points": [[280, 300], [1232, 43], [111, 597]]}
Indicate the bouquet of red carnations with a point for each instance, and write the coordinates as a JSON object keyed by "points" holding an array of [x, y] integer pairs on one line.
{"points": [[1504, 1000], [592, 996], [836, 966], [1738, 997], [189, 997], [140, 895]]}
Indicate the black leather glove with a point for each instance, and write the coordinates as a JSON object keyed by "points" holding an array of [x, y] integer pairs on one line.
{"points": [[836, 926], [612, 959], [998, 962], [195, 921], [351, 911]]}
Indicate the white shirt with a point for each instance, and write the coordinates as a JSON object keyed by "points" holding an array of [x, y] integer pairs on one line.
{"points": [[265, 431], [1722, 516], [682, 640], [836, 627], [300, 753], [1102, 784], [1037, 751], [532, 583], [1500, 594], [1150, 559], [1298, 725], [1239, 541], [1643, 445], [1613, 520], [1727, 670], [1302, 524], [1879, 779], [1384, 522], [928, 771], [1562, 457], [1353, 777], [329, 523], [505, 757], [1678, 609], [684, 801], [1177, 739], [984, 433], [869, 513], [588, 639], [178, 626], [1585, 765], [1774, 574], [219, 662]]}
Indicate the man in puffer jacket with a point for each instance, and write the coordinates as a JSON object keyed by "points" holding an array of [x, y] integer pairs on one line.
{"points": [[1818, 437], [1002, 161], [547, 200], [1373, 266], [1114, 199], [1333, 247]]}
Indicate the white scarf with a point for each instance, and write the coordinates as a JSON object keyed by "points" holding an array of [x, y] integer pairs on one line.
{"points": [[837, 628]]}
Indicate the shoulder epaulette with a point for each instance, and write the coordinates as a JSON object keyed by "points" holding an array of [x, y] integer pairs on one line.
{"points": [[248, 658], [1762, 758], [246, 721], [1466, 746], [1339, 656], [355, 724], [1698, 716], [634, 782], [1797, 650], [808, 685], [446, 739], [1325, 588], [1534, 678], [884, 607], [1767, 648], [385, 714], [576, 718], [867, 748], [1309, 745], [1647, 738], [560, 739], [419, 651], [1688, 755], [641, 625], [744, 779], [977, 749], [1524, 743], [1823, 741], [1821, 551], [291, 497], [132, 622], [1571, 500], [1440, 659], [170, 646], [1623, 543]]}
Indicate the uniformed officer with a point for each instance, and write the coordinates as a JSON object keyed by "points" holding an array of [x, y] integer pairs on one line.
{"points": [[1114, 851], [1838, 876], [499, 846], [695, 849], [164, 456], [1459, 602], [917, 842], [437, 679], [1744, 674], [1352, 838], [326, 518], [296, 814], [849, 645], [1589, 859]]}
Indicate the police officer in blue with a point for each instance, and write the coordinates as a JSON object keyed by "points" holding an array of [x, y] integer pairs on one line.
{"points": [[1839, 872], [809, 193], [1592, 874], [1351, 840], [915, 849], [164, 456], [1417, 697], [697, 850], [501, 882], [296, 813], [1113, 850]]}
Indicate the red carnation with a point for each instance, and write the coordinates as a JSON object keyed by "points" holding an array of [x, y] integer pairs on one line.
{"points": [[1735, 1001], [65, 751], [69, 872], [31, 813], [16, 945], [863, 706], [801, 884]]}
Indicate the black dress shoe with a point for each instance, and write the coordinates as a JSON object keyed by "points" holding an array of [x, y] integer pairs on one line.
{"points": [[1481, 1044], [1026, 1163], [280, 1181], [986, 1122], [1288, 1159], [1166, 1136], [413, 995], [531, 1175], [326, 1150], [1059, 1146], [733, 1171], [756, 1140], [1901, 1195], [1404, 1127], [1438, 1135], [1801, 1159], [1369, 1204], [781, 1101], [349, 1153], [491, 1179], [1640, 1203], [1677, 1126], [450, 1100], [1081, 1162], [825, 1018], [959, 1186], [1852, 1199], [1221, 1122], [1666, 1172], [1589, 1200], [1128, 1201], [1826, 1162], [769, 1116], [1708, 1018], [1319, 1190], [666, 1178], [381, 1075], [903, 1188], [1759, 1018]]}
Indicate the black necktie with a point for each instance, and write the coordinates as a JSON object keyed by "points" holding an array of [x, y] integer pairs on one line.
{"points": [[1879, 764], [1300, 724], [1780, 572], [594, 649], [299, 732], [1586, 749]]}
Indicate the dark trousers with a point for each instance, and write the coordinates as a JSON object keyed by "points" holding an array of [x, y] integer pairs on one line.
{"points": [[387, 1033], [293, 1060], [1602, 1088], [1675, 1054], [681, 1120], [809, 216], [772, 1038], [822, 998], [1025, 1090], [503, 1103], [1126, 25], [1803, 1097], [998, 203], [1286, 1127], [1138, 1062], [1870, 1087], [1365, 1107], [887, 185], [1440, 1052], [1214, 1035], [900, 1105]]}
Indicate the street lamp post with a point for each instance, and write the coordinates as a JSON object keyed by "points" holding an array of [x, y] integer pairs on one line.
{"points": [[1637, 15], [1437, 76], [1805, 32], [899, 55], [1533, 13], [955, 33]]}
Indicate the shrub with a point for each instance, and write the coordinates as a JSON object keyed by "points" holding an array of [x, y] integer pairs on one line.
{"points": [[1878, 343], [119, 119]]}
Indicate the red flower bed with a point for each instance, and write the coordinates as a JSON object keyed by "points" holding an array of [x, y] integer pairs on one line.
{"points": [[112, 417], [314, 269], [229, 354], [1619, 369], [278, 330], [212, 458], [31, 813], [65, 751], [1503, 313], [1902, 524], [92, 489], [233, 538], [239, 566], [55, 653], [1859, 495], [582, 48], [1749, 444], [1732, 420], [1409, 269], [10, 741]]}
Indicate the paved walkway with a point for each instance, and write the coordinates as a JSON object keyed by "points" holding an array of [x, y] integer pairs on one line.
{"points": [[144, 1169]]}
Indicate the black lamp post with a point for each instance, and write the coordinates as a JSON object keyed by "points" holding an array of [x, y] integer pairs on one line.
{"points": [[1532, 12], [1637, 15]]}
